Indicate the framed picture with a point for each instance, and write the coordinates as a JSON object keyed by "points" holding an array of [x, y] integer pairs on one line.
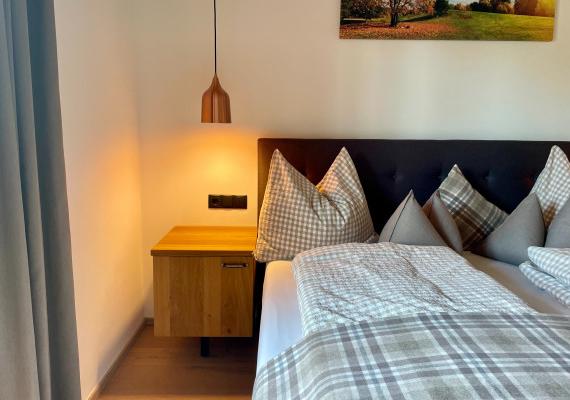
{"points": [[530, 20]]}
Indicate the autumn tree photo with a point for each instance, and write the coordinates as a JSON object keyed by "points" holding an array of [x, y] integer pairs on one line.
{"points": [[448, 19]]}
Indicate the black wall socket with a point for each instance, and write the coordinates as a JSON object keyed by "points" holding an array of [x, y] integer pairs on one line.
{"points": [[227, 201]]}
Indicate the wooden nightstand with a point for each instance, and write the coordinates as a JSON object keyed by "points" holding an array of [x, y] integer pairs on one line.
{"points": [[203, 282]]}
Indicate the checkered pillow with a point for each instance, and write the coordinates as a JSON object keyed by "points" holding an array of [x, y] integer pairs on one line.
{"points": [[555, 262], [553, 185], [476, 217], [297, 216], [559, 231], [546, 282]]}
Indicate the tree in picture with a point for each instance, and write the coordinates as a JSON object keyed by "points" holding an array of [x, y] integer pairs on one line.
{"points": [[531, 20], [544, 8], [365, 9], [398, 7], [441, 7]]}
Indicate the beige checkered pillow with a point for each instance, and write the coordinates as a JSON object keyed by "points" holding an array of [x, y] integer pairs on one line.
{"points": [[553, 185], [297, 215], [475, 216]]}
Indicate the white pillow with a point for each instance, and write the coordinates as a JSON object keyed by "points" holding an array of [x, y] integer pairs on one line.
{"points": [[297, 215], [553, 185]]}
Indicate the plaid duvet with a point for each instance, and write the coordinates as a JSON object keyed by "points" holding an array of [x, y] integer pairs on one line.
{"points": [[362, 282], [436, 356]]}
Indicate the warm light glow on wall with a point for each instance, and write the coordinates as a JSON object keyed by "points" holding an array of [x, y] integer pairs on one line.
{"points": [[189, 165], [219, 160], [223, 155]]}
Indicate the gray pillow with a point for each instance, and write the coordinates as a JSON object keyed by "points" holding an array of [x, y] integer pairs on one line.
{"points": [[522, 229], [409, 225], [559, 232], [443, 222]]}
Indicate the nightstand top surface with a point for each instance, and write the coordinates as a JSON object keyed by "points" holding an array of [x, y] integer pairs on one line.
{"points": [[205, 240]]}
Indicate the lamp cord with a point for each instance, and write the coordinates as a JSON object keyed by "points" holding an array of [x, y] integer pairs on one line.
{"points": [[215, 40]]}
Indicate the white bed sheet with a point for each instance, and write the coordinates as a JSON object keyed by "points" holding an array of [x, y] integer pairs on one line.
{"points": [[280, 316], [511, 277], [281, 320]]}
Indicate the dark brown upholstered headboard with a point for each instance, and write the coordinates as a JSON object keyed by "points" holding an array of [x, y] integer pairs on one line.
{"points": [[503, 171]]}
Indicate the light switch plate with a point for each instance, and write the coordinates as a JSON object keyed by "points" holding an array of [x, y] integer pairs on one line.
{"points": [[235, 202]]}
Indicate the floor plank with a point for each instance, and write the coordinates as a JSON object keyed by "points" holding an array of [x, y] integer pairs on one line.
{"points": [[171, 368]]}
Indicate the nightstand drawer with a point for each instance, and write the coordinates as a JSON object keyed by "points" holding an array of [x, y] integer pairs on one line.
{"points": [[203, 296]]}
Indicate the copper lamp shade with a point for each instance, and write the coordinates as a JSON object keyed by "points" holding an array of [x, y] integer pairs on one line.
{"points": [[216, 104], [215, 100]]}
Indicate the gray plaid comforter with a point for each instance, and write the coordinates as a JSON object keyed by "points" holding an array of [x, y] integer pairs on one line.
{"points": [[362, 282], [427, 356]]}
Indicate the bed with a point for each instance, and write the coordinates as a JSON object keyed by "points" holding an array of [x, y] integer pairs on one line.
{"points": [[502, 171], [281, 322]]}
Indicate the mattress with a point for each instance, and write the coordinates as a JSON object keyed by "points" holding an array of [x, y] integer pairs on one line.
{"points": [[281, 320]]}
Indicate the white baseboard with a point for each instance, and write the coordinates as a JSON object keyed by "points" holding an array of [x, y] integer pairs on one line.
{"points": [[98, 389]]}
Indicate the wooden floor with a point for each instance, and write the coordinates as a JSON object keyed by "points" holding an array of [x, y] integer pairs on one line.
{"points": [[171, 368]]}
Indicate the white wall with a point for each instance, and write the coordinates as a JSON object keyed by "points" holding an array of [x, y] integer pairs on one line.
{"points": [[288, 74], [103, 177]]}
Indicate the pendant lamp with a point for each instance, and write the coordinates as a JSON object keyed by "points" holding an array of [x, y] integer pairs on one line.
{"points": [[215, 100]]}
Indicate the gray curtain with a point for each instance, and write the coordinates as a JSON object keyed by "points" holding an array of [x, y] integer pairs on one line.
{"points": [[38, 338]]}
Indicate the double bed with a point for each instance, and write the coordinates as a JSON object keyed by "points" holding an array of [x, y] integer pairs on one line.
{"points": [[502, 171], [281, 327]]}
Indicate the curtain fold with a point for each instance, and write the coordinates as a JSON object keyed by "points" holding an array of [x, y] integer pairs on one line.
{"points": [[38, 338]]}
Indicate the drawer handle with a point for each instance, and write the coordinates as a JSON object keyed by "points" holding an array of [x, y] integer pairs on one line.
{"points": [[234, 265]]}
